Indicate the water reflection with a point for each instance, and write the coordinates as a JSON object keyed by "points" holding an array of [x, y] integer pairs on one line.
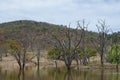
{"points": [[68, 75], [59, 74], [117, 76], [21, 75], [102, 74]]}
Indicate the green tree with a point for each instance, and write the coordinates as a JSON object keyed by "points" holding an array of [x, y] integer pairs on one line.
{"points": [[89, 53], [55, 54], [113, 56]]}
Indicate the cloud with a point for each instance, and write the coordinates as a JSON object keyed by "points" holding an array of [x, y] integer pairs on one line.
{"points": [[30, 4], [61, 11]]}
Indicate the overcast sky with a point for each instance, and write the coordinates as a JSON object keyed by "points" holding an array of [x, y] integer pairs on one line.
{"points": [[62, 11]]}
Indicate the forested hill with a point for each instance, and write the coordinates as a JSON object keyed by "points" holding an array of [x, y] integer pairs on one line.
{"points": [[34, 25], [11, 29], [14, 30], [27, 24], [30, 30]]}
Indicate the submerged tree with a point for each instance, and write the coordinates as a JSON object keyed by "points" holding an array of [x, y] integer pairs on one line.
{"points": [[40, 45], [67, 42], [18, 48], [15, 51], [101, 43]]}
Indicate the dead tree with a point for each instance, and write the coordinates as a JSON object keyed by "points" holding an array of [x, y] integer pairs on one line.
{"points": [[25, 45], [40, 41], [101, 43], [19, 47], [83, 42], [68, 40]]}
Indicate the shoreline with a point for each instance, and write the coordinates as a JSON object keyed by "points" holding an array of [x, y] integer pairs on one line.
{"points": [[10, 63]]}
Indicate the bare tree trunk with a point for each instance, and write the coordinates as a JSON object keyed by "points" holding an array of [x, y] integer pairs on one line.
{"points": [[20, 66], [38, 58], [77, 63], [101, 60], [84, 47], [68, 62], [24, 59], [55, 63]]}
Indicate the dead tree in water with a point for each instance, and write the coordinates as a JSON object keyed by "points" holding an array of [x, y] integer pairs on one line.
{"points": [[83, 43], [18, 49], [40, 41], [101, 43], [39, 45], [68, 40]]}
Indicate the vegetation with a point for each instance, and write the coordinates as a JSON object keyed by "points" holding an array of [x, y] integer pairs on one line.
{"points": [[18, 38], [114, 50], [54, 54], [114, 57]]}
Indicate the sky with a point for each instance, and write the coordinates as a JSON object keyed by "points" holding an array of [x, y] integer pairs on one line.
{"points": [[63, 12]]}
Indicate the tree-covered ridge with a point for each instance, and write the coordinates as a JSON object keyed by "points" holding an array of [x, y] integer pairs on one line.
{"points": [[15, 28], [18, 25]]}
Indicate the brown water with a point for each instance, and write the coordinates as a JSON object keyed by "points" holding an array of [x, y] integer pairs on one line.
{"points": [[60, 74]]}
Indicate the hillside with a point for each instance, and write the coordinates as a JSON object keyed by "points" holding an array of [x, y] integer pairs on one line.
{"points": [[27, 24], [13, 30], [10, 29]]}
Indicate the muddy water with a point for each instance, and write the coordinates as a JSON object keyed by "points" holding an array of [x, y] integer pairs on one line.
{"points": [[59, 74]]}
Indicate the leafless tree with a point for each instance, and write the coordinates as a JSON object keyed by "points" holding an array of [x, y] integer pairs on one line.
{"points": [[39, 45], [19, 47], [83, 42], [101, 43], [67, 41]]}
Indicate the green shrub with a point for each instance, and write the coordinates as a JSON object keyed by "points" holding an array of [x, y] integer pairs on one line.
{"points": [[113, 56]]}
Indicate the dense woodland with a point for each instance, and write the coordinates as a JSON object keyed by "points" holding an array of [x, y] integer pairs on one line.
{"points": [[63, 43]]}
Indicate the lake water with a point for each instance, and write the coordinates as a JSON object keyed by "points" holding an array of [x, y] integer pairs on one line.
{"points": [[60, 74]]}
